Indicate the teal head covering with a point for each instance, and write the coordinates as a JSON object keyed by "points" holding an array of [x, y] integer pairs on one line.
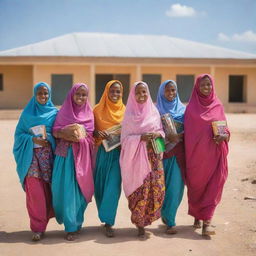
{"points": [[33, 114]]}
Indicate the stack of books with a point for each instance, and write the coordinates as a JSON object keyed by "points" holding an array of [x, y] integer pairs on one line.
{"points": [[171, 126]]}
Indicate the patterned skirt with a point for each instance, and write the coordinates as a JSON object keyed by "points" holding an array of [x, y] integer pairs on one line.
{"points": [[146, 201], [42, 162]]}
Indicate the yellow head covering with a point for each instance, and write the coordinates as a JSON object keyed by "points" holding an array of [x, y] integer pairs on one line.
{"points": [[106, 112]]}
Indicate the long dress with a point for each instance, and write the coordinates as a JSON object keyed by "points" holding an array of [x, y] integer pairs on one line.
{"points": [[206, 161], [107, 181], [34, 163], [141, 169], [68, 201], [107, 173], [72, 180], [174, 160]]}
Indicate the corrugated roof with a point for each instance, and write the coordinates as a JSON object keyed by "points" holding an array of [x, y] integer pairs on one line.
{"points": [[121, 45]]}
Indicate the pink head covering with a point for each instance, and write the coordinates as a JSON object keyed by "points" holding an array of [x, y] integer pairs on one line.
{"points": [[138, 119], [71, 113], [206, 164]]}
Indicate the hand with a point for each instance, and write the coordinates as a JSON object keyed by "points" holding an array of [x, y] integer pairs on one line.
{"points": [[101, 134], [147, 136], [69, 134], [219, 138], [40, 141], [175, 138]]}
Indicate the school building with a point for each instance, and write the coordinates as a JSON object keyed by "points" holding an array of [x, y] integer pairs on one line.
{"points": [[96, 58]]}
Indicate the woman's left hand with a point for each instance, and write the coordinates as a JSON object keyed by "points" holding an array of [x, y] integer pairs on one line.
{"points": [[219, 138]]}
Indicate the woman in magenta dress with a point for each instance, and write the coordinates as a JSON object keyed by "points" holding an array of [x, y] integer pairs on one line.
{"points": [[206, 154]]}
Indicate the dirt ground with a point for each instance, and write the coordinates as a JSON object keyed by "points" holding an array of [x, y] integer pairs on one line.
{"points": [[235, 218]]}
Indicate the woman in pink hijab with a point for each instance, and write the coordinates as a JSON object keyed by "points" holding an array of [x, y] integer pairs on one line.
{"points": [[206, 154], [141, 169], [72, 180]]}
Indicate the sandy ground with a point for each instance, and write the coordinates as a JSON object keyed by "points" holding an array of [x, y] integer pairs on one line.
{"points": [[235, 218]]}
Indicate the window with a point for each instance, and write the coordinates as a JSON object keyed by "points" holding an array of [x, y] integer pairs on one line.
{"points": [[1, 82], [61, 84], [102, 79], [185, 85], [153, 81], [236, 91]]}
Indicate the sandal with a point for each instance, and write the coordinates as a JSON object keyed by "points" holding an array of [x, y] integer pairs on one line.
{"points": [[197, 224], [208, 230], [171, 230], [37, 236], [109, 231], [71, 236]]}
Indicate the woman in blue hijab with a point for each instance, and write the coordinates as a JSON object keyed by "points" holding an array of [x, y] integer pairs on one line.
{"points": [[33, 147], [168, 101]]}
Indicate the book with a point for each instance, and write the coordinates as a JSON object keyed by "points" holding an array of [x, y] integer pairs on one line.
{"points": [[38, 130], [114, 138], [158, 145], [219, 127], [171, 126]]}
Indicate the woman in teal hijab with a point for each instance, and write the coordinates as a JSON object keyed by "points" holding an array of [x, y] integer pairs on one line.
{"points": [[168, 101], [33, 154]]}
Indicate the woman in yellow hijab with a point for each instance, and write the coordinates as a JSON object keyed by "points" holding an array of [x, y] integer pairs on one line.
{"points": [[108, 114]]}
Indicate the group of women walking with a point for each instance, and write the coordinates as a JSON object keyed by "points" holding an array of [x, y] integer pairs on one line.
{"points": [[60, 172]]}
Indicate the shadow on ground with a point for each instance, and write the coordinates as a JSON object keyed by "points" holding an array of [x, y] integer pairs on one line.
{"points": [[96, 234]]}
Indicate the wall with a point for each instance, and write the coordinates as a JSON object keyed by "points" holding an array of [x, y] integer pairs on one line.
{"points": [[18, 86]]}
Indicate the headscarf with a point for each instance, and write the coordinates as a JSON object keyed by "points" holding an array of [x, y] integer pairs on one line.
{"points": [[33, 114], [174, 107], [71, 113], [206, 163], [138, 119], [106, 112]]}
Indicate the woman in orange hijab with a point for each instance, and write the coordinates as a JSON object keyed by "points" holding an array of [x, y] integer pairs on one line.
{"points": [[108, 113]]}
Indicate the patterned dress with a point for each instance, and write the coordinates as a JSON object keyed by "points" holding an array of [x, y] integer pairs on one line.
{"points": [[146, 201]]}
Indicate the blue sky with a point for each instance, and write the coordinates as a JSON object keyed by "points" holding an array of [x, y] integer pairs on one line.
{"points": [[226, 23]]}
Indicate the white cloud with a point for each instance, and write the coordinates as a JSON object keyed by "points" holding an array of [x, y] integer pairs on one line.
{"points": [[178, 10], [247, 36], [223, 37]]}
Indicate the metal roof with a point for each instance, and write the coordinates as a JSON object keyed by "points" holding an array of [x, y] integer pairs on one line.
{"points": [[121, 45]]}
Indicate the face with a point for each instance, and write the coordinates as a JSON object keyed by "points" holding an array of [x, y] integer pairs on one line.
{"points": [[205, 86], [115, 92], [170, 92], [141, 93], [42, 95], [80, 96]]}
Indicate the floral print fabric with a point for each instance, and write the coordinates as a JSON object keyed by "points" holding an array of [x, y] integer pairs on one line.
{"points": [[145, 203]]}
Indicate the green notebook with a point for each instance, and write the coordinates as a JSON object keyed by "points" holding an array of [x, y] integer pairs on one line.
{"points": [[158, 145]]}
